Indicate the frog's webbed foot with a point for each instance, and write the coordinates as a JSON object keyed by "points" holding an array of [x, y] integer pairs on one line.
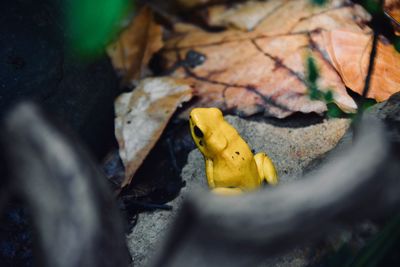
{"points": [[266, 168], [227, 191]]}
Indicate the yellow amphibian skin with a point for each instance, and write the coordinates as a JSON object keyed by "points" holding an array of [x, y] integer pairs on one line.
{"points": [[231, 167]]}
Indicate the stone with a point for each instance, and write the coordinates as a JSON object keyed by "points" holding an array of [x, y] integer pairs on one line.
{"points": [[151, 226], [291, 149], [389, 112]]}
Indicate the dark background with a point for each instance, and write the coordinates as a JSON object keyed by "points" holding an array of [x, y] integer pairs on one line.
{"points": [[37, 64]]}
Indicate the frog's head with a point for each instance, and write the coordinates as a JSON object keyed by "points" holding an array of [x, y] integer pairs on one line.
{"points": [[205, 127]]}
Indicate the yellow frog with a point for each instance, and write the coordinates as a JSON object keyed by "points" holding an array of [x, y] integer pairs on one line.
{"points": [[231, 167]]}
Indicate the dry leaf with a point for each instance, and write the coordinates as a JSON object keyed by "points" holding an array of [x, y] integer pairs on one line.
{"points": [[392, 10], [263, 70], [142, 115], [349, 52], [242, 16], [282, 17], [135, 46]]}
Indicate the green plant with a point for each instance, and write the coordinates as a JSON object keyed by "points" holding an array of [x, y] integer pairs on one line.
{"points": [[397, 43], [323, 95], [319, 2], [91, 24], [372, 6]]}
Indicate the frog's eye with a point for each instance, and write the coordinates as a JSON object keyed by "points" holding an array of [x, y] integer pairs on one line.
{"points": [[198, 132]]}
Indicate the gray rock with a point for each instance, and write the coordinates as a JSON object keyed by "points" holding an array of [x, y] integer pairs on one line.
{"points": [[389, 112], [151, 226], [294, 152], [291, 149], [295, 258]]}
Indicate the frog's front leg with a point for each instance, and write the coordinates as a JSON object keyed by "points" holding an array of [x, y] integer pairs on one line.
{"points": [[266, 168], [210, 173], [226, 191]]}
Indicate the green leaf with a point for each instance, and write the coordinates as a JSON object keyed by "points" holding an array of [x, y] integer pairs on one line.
{"points": [[368, 103], [313, 73], [334, 111], [316, 94], [372, 6], [92, 23], [328, 96], [319, 2], [313, 92], [397, 43]]}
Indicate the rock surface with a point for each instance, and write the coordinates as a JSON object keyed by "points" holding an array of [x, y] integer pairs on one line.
{"points": [[152, 226], [291, 149]]}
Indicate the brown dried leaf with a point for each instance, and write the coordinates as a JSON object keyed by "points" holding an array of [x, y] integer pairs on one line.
{"points": [[142, 115], [349, 52], [131, 53], [392, 10], [242, 16], [302, 16], [263, 70], [281, 17]]}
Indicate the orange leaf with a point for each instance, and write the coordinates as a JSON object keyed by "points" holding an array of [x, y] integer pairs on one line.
{"points": [[263, 70], [135, 46], [392, 10], [349, 53], [243, 16]]}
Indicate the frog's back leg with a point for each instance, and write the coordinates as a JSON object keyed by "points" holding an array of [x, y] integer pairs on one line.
{"points": [[227, 191], [266, 168]]}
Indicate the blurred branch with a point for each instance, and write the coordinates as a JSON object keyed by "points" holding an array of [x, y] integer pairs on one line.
{"points": [[240, 231], [72, 208]]}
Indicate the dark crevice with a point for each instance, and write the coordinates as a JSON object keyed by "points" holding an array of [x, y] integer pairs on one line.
{"points": [[295, 120]]}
